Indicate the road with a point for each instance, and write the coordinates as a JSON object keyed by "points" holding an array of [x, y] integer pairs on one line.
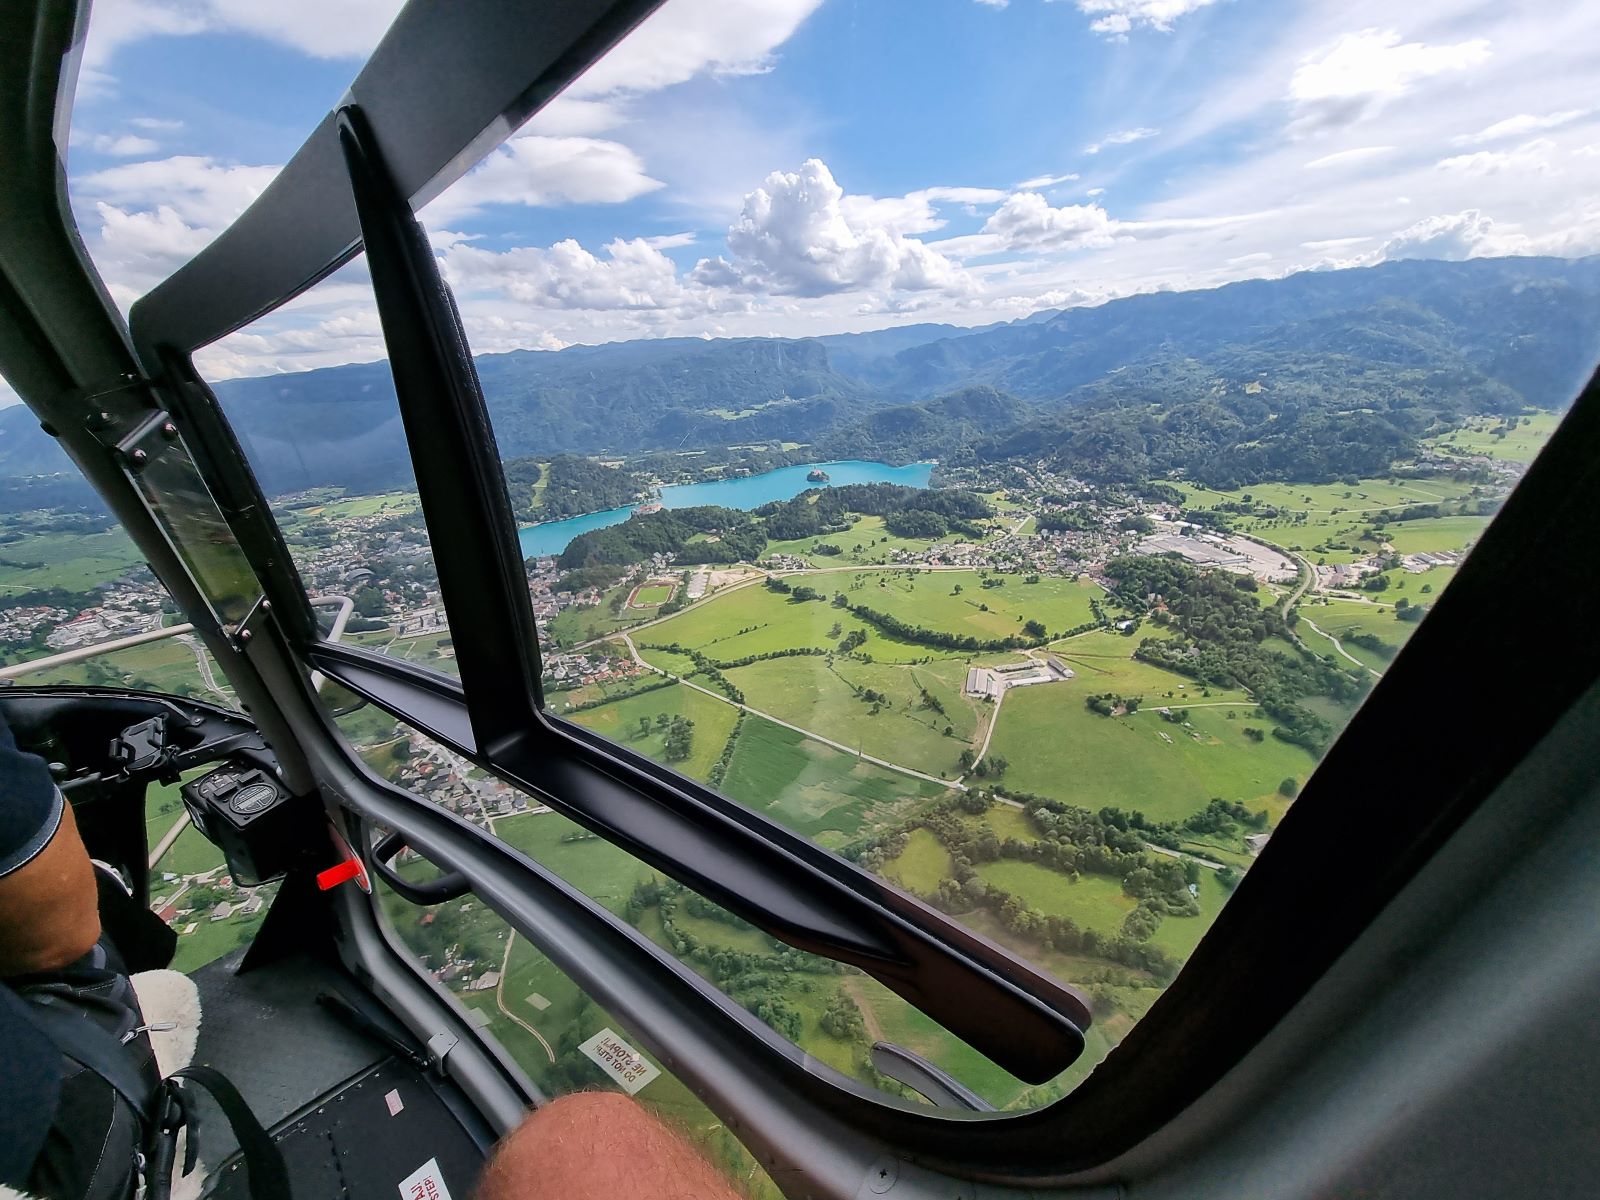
{"points": [[988, 734], [1194, 858], [627, 640], [202, 662], [168, 838], [1339, 646], [1308, 578]]}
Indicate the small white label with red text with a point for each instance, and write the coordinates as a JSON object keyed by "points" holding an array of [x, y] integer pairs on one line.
{"points": [[620, 1061], [425, 1183]]}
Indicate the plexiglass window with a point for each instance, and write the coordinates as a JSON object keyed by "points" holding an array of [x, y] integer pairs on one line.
{"points": [[860, 482]]}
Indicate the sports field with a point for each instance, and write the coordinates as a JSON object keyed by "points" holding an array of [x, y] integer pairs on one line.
{"points": [[651, 595]]}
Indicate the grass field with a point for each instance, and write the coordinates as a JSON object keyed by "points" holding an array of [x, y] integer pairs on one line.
{"points": [[653, 595], [818, 791], [867, 543], [921, 866], [827, 697], [191, 854], [1341, 618], [165, 666], [75, 561], [1057, 747], [1519, 445], [1436, 533], [601, 871], [1093, 902], [1326, 521], [753, 620], [619, 721]]}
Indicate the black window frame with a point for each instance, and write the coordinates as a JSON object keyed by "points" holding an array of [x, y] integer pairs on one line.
{"points": [[1213, 1013]]}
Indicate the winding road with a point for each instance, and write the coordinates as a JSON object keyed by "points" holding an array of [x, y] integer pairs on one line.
{"points": [[500, 1000]]}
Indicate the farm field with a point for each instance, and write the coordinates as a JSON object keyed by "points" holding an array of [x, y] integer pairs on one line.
{"points": [[620, 721], [1104, 662], [74, 561], [815, 790], [1341, 618], [1519, 445], [827, 698], [1326, 521], [1435, 533], [165, 666], [865, 543], [755, 620], [191, 854]]}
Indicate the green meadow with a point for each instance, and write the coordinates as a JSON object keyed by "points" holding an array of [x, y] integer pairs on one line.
{"points": [[829, 796], [74, 561], [620, 721], [830, 698], [1057, 747], [1481, 435]]}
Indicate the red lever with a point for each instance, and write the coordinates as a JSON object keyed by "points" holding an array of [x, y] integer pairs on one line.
{"points": [[349, 869]]}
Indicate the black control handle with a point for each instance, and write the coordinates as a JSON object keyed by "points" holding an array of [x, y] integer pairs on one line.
{"points": [[452, 885]]}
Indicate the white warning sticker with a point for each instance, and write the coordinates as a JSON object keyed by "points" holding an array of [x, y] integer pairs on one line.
{"points": [[620, 1061], [392, 1099], [425, 1183]]}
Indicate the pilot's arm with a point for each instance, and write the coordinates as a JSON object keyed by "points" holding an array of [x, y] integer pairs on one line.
{"points": [[49, 913]]}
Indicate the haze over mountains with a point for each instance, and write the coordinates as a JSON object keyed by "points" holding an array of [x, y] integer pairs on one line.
{"points": [[1311, 376]]}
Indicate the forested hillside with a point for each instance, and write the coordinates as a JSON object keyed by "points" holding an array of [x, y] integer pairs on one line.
{"points": [[1313, 376]]}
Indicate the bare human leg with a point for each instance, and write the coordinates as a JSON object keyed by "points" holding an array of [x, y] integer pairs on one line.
{"points": [[599, 1146]]}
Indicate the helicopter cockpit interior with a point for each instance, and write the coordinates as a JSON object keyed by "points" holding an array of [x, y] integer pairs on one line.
{"points": [[1398, 999]]}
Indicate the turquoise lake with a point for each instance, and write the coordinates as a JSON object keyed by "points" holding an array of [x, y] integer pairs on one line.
{"points": [[747, 492]]}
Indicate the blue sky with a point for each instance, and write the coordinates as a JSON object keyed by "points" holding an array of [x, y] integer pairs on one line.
{"points": [[794, 167]]}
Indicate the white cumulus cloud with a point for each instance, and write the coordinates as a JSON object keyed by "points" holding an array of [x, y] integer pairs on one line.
{"points": [[1027, 221], [1117, 18], [1362, 72], [796, 235], [1452, 236], [632, 274]]}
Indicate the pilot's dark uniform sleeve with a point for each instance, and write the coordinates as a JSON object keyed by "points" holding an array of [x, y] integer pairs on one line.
{"points": [[30, 805]]}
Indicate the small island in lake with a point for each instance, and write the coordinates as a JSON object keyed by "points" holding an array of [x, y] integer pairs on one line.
{"points": [[817, 475]]}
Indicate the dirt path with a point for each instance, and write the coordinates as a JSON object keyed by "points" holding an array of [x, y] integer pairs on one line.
{"points": [[500, 1000], [804, 732], [869, 1015]]}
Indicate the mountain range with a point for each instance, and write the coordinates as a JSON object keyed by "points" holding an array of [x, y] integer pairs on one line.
{"points": [[1312, 375]]}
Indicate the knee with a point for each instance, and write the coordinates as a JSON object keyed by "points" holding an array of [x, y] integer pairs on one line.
{"points": [[600, 1145]]}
